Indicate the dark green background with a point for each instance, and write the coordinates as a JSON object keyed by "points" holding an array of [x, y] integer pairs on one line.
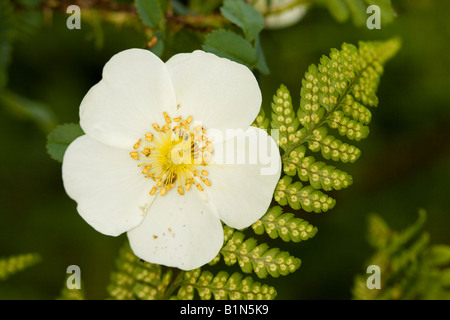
{"points": [[405, 162]]}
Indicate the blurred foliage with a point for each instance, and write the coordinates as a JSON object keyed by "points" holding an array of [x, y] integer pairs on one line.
{"points": [[49, 69], [409, 267], [14, 264]]}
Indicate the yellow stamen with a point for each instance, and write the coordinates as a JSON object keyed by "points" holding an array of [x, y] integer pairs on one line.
{"points": [[137, 144], [165, 128], [146, 151], [149, 137], [134, 155], [206, 181], [166, 117], [146, 169], [172, 157]]}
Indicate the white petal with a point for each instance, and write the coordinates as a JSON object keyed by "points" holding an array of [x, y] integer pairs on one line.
{"points": [[286, 18], [280, 13], [178, 231], [135, 90], [111, 193], [220, 93], [243, 178]]}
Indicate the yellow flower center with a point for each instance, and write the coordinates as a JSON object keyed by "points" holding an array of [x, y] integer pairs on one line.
{"points": [[174, 155]]}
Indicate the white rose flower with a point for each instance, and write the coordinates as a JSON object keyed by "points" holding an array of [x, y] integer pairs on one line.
{"points": [[280, 13], [157, 159]]}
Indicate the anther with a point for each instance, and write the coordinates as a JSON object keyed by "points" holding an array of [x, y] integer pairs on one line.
{"points": [[153, 191], [177, 119], [134, 155], [146, 151], [146, 169], [180, 190], [149, 137], [137, 144], [156, 127], [207, 159], [167, 118], [163, 191]]}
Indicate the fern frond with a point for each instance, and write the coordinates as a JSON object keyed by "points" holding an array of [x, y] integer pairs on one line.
{"points": [[304, 197], [343, 10], [352, 129], [284, 225], [410, 267], [16, 263], [261, 121], [332, 148], [354, 109], [284, 119], [257, 258], [335, 98], [222, 286], [136, 279], [317, 173], [71, 294]]}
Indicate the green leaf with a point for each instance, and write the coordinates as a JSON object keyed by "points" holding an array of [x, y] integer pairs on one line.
{"points": [[150, 12], [59, 139], [387, 11], [230, 45], [159, 47], [358, 11], [342, 10], [201, 6], [338, 10], [244, 16], [24, 108], [261, 63]]}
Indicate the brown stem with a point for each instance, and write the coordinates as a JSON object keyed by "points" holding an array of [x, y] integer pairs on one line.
{"points": [[201, 23]]}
